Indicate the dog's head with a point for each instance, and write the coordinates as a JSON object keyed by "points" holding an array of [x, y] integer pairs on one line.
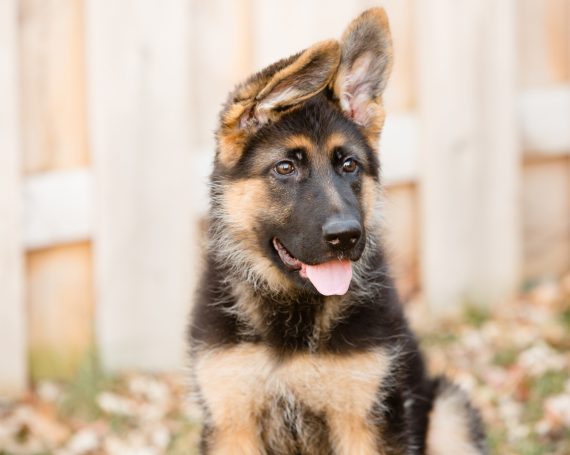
{"points": [[296, 168]]}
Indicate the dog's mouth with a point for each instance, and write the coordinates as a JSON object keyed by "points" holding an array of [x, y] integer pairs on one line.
{"points": [[290, 262], [329, 278]]}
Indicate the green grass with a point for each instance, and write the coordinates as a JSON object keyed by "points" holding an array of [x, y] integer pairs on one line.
{"points": [[506, 357], [550, 383], [438, 339], [81, 392], [476, 315], [565, 318]]}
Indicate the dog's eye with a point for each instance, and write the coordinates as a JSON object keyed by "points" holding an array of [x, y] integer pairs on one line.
{"points": [[349, 165], [284, 167]]}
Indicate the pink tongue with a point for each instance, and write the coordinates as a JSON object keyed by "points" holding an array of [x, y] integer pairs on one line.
{"points": [[330, 278]]}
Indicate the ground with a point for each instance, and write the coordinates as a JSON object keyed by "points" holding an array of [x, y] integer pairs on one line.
{"points": [[513, 359]]}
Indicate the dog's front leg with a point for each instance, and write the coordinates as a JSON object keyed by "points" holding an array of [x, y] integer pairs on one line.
{"points": [[242, 439], [230, 383], [353, 435]]}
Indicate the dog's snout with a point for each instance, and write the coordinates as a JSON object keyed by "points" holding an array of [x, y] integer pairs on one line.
{"points": [[342, 234]]}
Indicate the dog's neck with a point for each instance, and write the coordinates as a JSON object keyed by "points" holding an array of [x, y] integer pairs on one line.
{"points": [[305, 320]]}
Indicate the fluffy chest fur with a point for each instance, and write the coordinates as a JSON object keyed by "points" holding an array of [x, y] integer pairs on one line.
{"points": [[303, 402]]}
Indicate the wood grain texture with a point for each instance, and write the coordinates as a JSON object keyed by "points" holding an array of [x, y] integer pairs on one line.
{"points": [[469, 165], [141, 135], [543, 42], [54, 137], [60, 302], [13, 366], [546, 217], [221, 51], [53, 84]]}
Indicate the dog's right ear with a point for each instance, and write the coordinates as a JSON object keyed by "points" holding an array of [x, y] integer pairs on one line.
{"points": [[269, 94], [364, 69]]}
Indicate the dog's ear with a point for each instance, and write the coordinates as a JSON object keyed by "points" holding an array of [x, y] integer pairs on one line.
{"points": [[303, 78], [272, 92], [366, 61]]}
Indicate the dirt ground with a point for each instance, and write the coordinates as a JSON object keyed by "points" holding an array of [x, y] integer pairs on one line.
{"points": [[513, 359]]}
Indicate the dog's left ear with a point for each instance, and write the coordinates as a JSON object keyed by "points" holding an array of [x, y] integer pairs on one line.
{"points": [[307, 75], [366, 61], [268, 95]]}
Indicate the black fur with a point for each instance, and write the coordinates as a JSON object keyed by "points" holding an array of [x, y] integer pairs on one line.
{"points": [[373, 321], [370, 316]]}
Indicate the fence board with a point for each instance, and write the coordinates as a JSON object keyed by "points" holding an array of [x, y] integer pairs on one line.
{"points": [[221, 53], [60, 292], [546, 217], [12, 325], [53, 81], [469, 172], [543, 42], [54, 137], [285, 28], [139, 93]]}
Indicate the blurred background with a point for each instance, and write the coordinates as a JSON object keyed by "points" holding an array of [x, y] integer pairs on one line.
{"points": [[107, 114]]}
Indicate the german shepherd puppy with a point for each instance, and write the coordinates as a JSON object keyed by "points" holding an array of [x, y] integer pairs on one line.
{"points": [[298, 342]]}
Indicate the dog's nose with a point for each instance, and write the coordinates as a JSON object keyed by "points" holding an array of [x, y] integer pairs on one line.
{"points": [[342, 234]]}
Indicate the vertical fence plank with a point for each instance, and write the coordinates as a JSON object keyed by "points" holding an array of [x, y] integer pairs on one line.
{"points": [[139, 105], [544, 42], [546, 217], [54, 137], [469, 173], [221, 51], [60, 320], [12, 324], [285, 28], [53, 85]]}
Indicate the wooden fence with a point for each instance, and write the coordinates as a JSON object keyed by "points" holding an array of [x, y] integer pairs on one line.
{"points": [[106, 118]]}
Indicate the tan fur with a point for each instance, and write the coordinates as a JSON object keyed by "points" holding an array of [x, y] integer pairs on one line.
{"points": [[300, 141], [370, 197], [334, 140], [243, 202], [345, 389], [353, 435], [231, 139], [237, 384], [247, 309], [289, 82], [230, 382], [263, 98], [448, 431]]}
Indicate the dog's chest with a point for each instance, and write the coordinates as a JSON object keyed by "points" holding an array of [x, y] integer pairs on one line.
{"points": [[295, 399]]}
